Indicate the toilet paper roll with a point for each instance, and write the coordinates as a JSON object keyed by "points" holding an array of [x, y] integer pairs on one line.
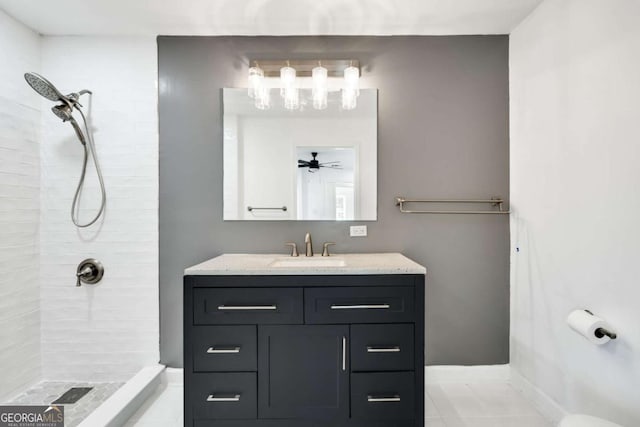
{"points": [[587, 324]]}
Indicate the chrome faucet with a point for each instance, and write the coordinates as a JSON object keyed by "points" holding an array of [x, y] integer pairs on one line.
{"points": [[308, 245]]}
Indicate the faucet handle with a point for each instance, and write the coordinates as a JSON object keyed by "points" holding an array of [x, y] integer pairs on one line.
{"points": [[325, 248], [294, 248]]}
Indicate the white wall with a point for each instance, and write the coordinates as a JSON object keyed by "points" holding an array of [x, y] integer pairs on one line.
{"points": [[575, 192], [108, 331], [19, 208]]}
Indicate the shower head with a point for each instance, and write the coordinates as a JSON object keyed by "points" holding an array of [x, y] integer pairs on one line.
{"points": [[65, 111], [44, 87]]}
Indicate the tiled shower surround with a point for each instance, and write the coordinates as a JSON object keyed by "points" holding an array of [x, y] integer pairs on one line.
{"points": [[109, 331], [52, 333], [47, 391], [19, 209]]}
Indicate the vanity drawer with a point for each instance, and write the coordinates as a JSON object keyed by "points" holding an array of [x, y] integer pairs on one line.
{"points": [[383, 395], [247, 306], [382, 347], [224, 348], [383, 304], [227, 395]]}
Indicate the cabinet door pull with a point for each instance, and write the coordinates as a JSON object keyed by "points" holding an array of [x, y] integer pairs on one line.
{"points": [[394, 398], [359, 306], [395, 349], [223, 350], [224, 398], [248, 307], [344, 353]]}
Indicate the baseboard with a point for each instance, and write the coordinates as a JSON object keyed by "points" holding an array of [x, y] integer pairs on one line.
{"points": [[548, 407], [458, 374]]}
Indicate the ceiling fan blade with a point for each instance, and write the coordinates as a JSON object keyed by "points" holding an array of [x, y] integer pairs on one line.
{"points": [[329, 163]]}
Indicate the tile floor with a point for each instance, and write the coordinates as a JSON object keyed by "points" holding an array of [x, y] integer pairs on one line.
{"points": [[479, 405], [46, 392], [447, 405]]}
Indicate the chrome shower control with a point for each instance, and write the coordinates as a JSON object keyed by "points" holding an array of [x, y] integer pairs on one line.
{"points": [[90, 271]]}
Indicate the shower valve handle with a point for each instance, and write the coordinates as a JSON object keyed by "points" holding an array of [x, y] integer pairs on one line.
{"points": [[89, 271], [86, 272]]}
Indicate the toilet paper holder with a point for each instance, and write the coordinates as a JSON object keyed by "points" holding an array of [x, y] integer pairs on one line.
{"points": [[601, 332]]}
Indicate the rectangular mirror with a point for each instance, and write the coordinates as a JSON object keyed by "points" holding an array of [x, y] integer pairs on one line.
{"points": [[303, 164]]}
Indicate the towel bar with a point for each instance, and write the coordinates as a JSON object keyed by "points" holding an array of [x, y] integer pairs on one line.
{"points": [[494, 201], [251, 209]]}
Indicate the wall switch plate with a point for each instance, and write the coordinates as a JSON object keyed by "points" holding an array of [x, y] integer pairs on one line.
{"points": [[358, 231]]}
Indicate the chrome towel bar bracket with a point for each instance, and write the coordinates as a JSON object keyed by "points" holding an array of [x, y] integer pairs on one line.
{"points": [[494, 201]]}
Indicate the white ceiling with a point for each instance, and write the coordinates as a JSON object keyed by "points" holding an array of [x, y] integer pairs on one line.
{"points": [[269, 17]]}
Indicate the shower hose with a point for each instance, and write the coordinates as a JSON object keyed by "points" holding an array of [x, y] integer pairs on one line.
{"points": [[89, 147]]}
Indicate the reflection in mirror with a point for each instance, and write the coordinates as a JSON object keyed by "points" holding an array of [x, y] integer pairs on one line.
{"points": [[325, 187], [300, 165]]}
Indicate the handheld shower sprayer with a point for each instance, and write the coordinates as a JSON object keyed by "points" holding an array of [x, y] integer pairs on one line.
{"points": [[64, 111]]}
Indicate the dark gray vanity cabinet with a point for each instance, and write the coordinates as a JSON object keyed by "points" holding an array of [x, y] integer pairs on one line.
{"points": [[313, 351], [302, 372]]}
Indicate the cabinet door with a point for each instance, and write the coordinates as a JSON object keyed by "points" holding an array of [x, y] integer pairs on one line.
{"points": [[303, 371]]}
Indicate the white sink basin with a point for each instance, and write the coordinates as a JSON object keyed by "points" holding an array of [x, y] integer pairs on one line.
{"points": [[308, 262]]}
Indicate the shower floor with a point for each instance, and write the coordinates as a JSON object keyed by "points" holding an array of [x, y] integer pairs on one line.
{"points": [[46, 392]]}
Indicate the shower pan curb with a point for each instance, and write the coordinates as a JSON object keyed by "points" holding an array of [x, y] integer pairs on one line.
{"points": [[118, 408]]}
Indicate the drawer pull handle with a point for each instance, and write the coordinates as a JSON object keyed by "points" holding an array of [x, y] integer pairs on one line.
{"points": [[344, 354], [247, 307], [395, 398], [360, 306], [223, 398], [395, 349], [223, 350]]}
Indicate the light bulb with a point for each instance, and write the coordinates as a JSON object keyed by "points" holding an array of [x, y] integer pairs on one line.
{"points": [[263, 98], [320, 87], [289, 91], [352, 79], [291, 99], [349, 99], [256, 81], [287, 79]]}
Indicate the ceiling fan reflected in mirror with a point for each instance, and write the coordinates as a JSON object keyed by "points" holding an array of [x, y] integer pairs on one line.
{"points": [[315, 165]]}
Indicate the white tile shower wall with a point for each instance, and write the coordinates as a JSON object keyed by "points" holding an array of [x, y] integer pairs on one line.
{"points": [[19, 209], [109, 331], [575, 86]]}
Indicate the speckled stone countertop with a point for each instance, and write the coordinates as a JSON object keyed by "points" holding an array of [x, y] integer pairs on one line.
{"points": [[278, 264]]}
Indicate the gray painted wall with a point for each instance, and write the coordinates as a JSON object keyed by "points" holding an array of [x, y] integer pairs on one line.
{"points": [[443, 133]]}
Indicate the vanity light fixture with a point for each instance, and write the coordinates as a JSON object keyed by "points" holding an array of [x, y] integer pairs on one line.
{"points": [[256, 81], [257, 90], [289, 90], [351, 88], [320, 90], [289, 72]]}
